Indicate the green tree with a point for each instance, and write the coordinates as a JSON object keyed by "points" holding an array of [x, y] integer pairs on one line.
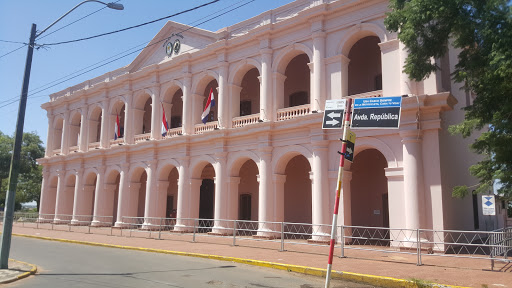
{"points": [[482, 30], [30, 175]]}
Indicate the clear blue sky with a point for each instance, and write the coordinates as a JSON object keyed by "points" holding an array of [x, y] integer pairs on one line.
{"points": [[51, 64]]}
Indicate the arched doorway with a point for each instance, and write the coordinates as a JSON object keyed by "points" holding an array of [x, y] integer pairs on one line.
{"points": [[369, 196], [207, 198], [297, 82], [365, 67], [298, 198], [248, 195]]}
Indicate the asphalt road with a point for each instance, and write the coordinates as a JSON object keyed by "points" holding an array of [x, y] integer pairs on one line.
{"points": [[74, 265]]}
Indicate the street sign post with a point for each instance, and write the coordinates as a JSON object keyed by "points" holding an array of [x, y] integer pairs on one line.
{"points": [[488, 205], [333, 114], [375, 113]]}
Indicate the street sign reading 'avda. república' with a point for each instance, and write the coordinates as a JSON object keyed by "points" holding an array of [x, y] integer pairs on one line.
{"points": [[382, 112]]}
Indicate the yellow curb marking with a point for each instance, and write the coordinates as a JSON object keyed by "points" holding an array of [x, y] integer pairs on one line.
{"points": [[32, 271], [381, 281]]}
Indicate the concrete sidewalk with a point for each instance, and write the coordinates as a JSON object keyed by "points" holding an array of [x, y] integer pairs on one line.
{"points": [[17, 270], [375, 268]]}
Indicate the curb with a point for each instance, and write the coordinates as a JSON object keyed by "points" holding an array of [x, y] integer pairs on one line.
{"points": [[32, 271], [381, 281]]}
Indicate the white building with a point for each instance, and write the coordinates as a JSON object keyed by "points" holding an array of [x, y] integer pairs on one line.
{"points": [[263, 156]]}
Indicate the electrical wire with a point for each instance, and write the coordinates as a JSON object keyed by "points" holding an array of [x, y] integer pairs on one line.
{"points": [[25, 44], [123, 56], [131, 27]]}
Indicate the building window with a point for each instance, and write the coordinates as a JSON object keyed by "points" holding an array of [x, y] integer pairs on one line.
{"points": [[245, 108], [175, 121], [299, 98]]}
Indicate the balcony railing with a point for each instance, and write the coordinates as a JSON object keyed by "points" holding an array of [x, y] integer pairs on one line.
{"points": [[293, 112], [245, 120], [174, 132], [371, 94], [118, 141], [94, 145], [142, 137], [209, 126], [73, 149]]}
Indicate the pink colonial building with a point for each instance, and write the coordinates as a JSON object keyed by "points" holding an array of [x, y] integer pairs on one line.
{"points": [[263, 154]]}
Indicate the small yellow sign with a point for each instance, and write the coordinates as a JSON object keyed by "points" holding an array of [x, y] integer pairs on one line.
{"points": [[351, 137]]}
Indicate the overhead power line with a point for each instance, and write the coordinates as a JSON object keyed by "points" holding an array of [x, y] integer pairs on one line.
{"points": [[131, 27], [112, 59]]}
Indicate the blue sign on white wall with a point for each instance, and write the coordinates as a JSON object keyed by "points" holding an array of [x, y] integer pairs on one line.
{"points": [[378, 112]]}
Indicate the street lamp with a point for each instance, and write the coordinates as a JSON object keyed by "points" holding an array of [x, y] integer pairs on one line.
{"points": [[15, 160]]}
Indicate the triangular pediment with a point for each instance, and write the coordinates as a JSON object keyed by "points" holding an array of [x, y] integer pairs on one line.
{"points": [[189, 39]]}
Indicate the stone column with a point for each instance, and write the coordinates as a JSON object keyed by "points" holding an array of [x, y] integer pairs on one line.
{"points": [[223, 108], [265, 195], [318, 93], [344, 75], [187, 121], [129, 127], [161, 204], [49, 137], [156, 114], [195, 187], [183, 209], [320, 189], [104, 141], [278, 206], [100, 212], [405, 82], [44, 202], [266, 99], [221, 195], [84, 129], [124, 195], [65, 134], [78, 199], [61, 191], [413, 178], [232, 205], [278, 91], [151, 203]]}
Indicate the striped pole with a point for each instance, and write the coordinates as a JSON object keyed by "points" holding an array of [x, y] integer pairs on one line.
{"points": [[346, 123]]}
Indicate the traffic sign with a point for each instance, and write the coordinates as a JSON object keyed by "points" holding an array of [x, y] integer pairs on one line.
{"points": [[333, 114], [351, 140], [381, 112], [488, 205]]}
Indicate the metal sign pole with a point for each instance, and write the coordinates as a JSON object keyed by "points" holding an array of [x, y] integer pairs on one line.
{"points": [[345, 124]]}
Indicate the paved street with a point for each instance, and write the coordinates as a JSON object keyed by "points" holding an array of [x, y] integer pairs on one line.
{"points": [[71, 265]]}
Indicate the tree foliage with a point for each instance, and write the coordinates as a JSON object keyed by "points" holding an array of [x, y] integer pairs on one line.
{"points": [[30, 174], [482, 31]]}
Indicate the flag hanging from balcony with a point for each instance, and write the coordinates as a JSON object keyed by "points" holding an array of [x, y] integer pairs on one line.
{"points": [[117, 128], [209, 105], [165, 127]]}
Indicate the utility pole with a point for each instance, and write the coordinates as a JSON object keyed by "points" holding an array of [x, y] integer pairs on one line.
{"points": [[15, 161]]}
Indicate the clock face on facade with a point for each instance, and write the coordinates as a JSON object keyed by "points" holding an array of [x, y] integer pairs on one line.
{"points": [[169, 49]]}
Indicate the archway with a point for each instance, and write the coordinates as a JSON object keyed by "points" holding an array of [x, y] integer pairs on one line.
{"points": [[248, 195], [57, 133], [74, 131], [297, 82], [142, 114], [48, 200], [207, 197], [249, 97], [106, 202], [365, 67], [118, 110], [211, 86], [89, 194], [298, 198], [95, 125], [369, 194], [168, 195]]}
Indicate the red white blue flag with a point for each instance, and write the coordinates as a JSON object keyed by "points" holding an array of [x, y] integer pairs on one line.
{"points": [[165, 127], [117, 128], [209, 105]]}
